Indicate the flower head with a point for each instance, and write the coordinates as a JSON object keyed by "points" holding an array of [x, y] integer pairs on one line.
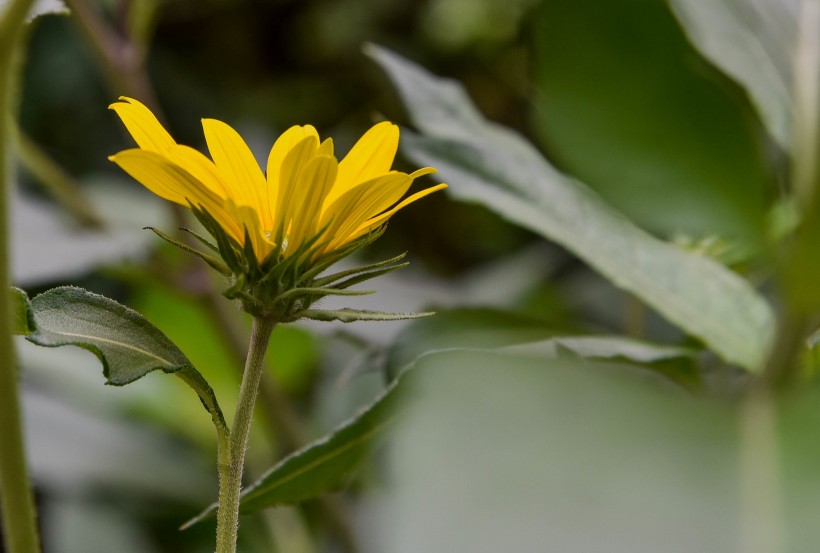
{"points": [[306, 210]]}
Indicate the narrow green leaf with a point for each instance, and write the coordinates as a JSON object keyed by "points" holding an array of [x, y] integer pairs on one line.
{"points": [[22, 323], [323, 465], [347, 315], [492, 165], [127, 345]]}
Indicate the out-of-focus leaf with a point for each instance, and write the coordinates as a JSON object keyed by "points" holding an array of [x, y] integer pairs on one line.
{"points": [[323, 465], [753, 41], [602, 347], [127, 345], [502, 453], [487, 163], [41, 7], [625, 105], [45, 248], [464, 328], [83, 526], [78, 448]]}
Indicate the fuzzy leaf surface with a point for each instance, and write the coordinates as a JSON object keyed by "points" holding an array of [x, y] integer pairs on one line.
{"points": [[127, 345]]}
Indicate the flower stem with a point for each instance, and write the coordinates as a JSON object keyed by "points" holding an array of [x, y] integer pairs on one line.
{"points": [[231, 463], [16, 501]]}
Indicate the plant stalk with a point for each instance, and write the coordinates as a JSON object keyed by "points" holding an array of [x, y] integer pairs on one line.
{"points": [[231, 464], [16, 498], [761, 513]]}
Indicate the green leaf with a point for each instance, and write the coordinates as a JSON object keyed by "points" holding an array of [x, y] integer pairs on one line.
{"points": [[323, 465], [127, 345], [642, 120], [506, 453], [496, 167], [753, 42], [347, 315], [602, 347], [22, 319]]}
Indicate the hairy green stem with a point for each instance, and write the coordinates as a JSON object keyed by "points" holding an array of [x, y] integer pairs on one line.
{"points": [[16, 500], [281, 414], [232, 463]]}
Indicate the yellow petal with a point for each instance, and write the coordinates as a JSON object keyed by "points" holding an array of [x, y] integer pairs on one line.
{"points": [[240, 172], [289, 185], [380, 219], [314, 182], [283, 145], [246, 217], [371, 157], [361, 203], [166, 180], [147, 132], [199, 166]]}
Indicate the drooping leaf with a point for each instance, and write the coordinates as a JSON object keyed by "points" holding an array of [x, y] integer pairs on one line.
{"points": [[492, 165], [323, 465], [127, 345], [753, 41]]}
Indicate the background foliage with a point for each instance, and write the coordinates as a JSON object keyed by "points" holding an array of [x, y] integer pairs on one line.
{"points": [[606, 172]]}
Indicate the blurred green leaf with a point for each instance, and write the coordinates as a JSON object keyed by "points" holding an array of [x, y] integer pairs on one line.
{"points": [[626, 105], [602, 347], [464, 328], [127, 345], [490, 164], [323, 465], [498, 452], [43, 7], [753, 41]]}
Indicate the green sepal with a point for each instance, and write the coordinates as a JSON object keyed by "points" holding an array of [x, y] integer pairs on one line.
{"points": [[320, 293], [226, 245], [365, 276], [201, 239], [347, 315], [209, 259], [330, 279], [285, 284]]}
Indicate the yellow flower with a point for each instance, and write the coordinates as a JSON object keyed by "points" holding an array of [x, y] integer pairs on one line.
{"points": [[304, 191]]}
